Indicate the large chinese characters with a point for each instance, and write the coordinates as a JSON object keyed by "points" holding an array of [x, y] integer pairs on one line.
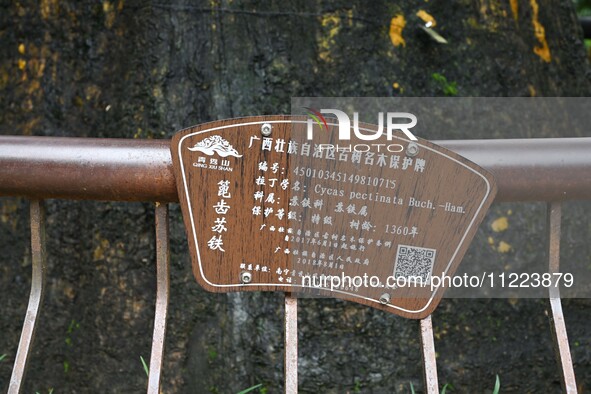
{"points": [[221, 208]]}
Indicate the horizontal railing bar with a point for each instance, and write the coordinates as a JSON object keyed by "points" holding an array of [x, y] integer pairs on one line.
{"points": [[533, 169], [87, 169], [549, 169]]}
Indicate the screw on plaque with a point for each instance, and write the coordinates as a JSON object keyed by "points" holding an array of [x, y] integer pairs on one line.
{"points": [[266, 129], [412, 149], [245, 277], [385, 299]]}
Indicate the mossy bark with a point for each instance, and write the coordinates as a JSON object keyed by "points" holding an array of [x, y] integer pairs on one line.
{"points": [[143, 70]]}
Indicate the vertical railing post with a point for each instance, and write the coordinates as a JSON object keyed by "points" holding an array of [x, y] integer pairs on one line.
{"points": [[291, 344], [35, 297], [162, 297], [429, 361], [557, 322]]}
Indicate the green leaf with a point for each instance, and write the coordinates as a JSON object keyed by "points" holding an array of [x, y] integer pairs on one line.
{"points": [[448, 88], [497, 386], [412, 388], [439, 78], [248, 390], [2, 357], [146, 369]]}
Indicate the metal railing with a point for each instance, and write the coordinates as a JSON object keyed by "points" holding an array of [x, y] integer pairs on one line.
{"points": [[551, 170]]}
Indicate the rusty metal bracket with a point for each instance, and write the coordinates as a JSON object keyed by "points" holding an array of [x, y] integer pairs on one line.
{"points": [[429, 361], [35, 298], [162, 297], [291, 344], [557, 323]]}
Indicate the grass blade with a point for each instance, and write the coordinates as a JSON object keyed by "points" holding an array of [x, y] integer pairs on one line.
{"points": [[497, 386], [248, 390], [146, 369]]}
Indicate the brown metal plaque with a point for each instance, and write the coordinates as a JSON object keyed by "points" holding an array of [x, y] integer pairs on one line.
{"points": [[268, 210]]}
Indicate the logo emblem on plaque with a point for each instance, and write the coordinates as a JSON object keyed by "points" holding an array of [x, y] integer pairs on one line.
{"points": [[215, 145], [364, 222]]}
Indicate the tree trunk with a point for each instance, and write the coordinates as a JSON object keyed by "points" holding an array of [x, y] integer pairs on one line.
{"points": [[138, 70]]}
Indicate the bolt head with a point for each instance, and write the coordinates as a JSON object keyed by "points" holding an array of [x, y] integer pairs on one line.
{"points": [[266, 129], [385, 299], [412, 149], [245, 277]]}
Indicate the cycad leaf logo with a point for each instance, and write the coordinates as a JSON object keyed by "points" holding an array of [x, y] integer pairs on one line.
{"points": [[317, 117]]}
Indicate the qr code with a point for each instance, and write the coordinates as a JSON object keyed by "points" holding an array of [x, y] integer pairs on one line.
{"points": [[413, 262]]}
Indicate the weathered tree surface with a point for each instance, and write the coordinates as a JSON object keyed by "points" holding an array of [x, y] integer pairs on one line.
{"points": [[144, 70]]}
